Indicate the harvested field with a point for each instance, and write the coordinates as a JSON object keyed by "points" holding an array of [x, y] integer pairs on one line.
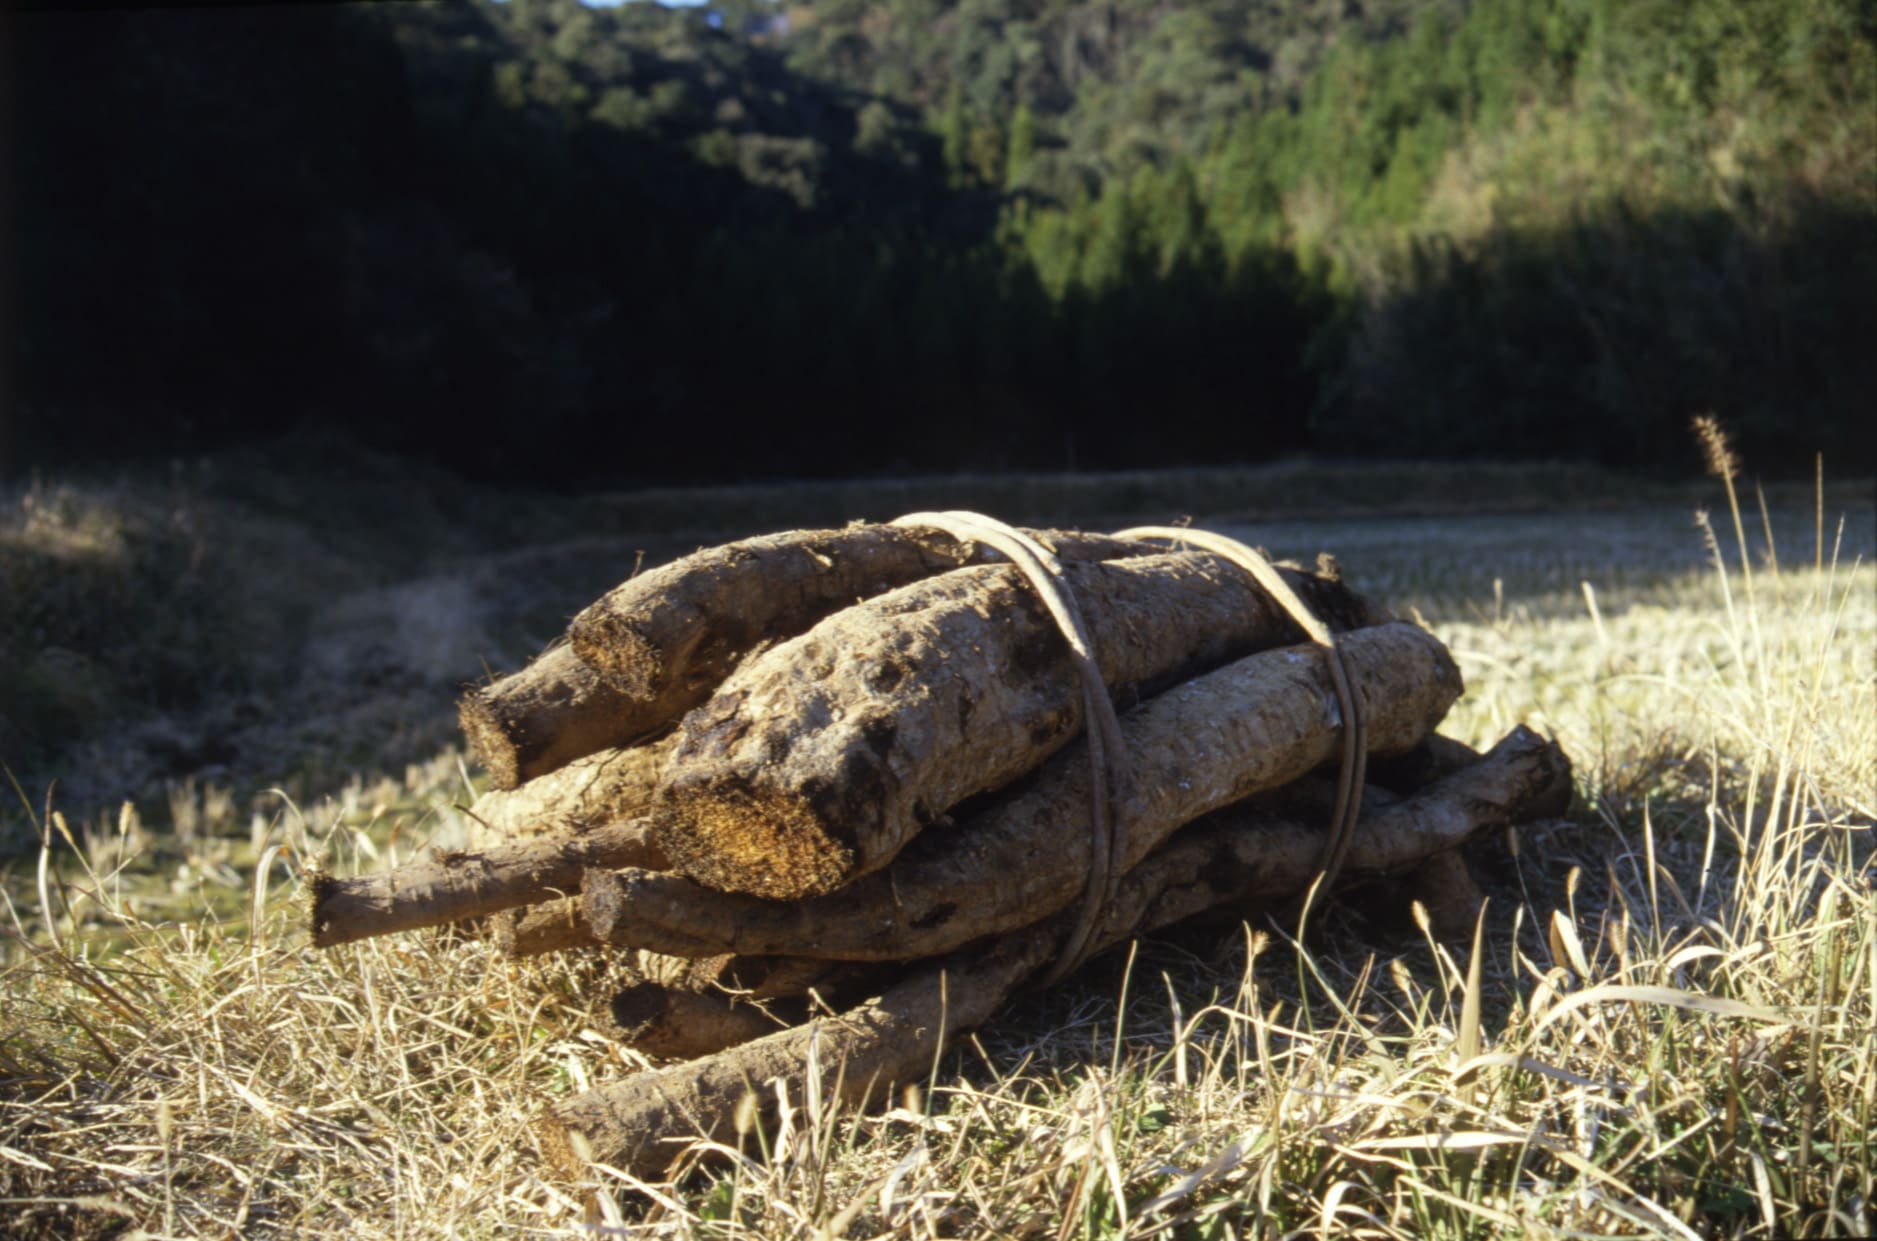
{"points": [[1665, 1027]]}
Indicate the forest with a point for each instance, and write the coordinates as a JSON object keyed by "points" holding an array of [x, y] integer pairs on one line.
{"points": [[537, 241]]}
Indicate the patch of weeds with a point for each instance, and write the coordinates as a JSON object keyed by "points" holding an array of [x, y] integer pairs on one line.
{"points": [[112, 608]]}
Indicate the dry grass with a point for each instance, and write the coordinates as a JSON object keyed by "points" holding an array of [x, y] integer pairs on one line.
{"points": [[1666, 1026]]}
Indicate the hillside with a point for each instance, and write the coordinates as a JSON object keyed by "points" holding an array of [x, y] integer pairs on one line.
{"points": [[545, 242]]}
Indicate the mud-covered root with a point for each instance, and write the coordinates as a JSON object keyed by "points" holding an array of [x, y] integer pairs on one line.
{"points": [[760, 977], [551, 926], [1446, 889], [667, 1023], [1254, 725], [555, 710], [1252, 863], [645, 1122], [818, 761], [1434, 758], [450, 887], [608, 786], [1235, 860], [676, 1023], [672, 634]]}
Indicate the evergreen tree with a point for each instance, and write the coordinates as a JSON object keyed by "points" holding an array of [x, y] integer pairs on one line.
{"points": [[1022, 145], [1549, 227], [954, 138]]}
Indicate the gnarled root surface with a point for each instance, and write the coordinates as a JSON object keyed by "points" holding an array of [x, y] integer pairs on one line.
{"points": [[1234, 860]]}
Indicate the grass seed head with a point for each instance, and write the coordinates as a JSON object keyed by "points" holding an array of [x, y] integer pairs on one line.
{"points": [[1715, 450]]}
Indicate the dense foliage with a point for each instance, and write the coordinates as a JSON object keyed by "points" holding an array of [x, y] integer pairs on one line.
{"points": [[534, 238]]}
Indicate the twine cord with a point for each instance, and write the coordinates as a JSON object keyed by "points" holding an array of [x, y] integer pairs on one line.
{"points": [[1110, 775], [1355, 756]]}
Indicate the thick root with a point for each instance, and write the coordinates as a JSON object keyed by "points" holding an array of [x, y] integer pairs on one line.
{"points": [[818, 761], [1215, 740], [1231, 861]]}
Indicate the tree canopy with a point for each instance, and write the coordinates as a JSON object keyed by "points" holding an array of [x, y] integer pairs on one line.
{"points": [[543, 240]]}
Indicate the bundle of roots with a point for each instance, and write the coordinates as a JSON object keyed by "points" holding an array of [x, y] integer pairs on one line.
{"points": [[841, 793]]}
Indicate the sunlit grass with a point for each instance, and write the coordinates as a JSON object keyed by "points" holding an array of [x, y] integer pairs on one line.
{"points": [[1665, 1027]]}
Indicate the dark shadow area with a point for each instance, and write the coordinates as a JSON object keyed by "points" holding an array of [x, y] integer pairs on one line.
{"points": [[548, 245], [1594, 343], [236, 221], [547, 256]]}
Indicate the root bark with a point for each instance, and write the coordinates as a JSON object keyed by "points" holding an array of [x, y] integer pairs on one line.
{"points": [[820, 760], [552, 712], [450, 887], [1254, 725], [1233, 860], [608, 786], [672, 634]]}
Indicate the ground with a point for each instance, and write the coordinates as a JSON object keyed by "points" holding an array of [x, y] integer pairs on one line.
{"points": [[1668, 1029]]}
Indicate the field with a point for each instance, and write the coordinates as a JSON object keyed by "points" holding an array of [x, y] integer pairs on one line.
{"points": [[1666, 1024]]}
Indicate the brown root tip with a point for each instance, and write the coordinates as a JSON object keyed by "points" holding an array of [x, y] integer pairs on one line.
{"points": [[772, 847], [554, 926], [602, 902], [488, 740], [1445, 887], [683, 1025], [321, 887], [1558, 792], [613, 648], [559, 1146]]}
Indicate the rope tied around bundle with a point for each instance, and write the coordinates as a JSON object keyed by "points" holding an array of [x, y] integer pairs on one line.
{"points": [[1111, 779], [1354, 767]]}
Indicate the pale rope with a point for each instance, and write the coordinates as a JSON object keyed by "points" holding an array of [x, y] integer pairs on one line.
{"points": [[1355, 717], [1110, 778]]}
